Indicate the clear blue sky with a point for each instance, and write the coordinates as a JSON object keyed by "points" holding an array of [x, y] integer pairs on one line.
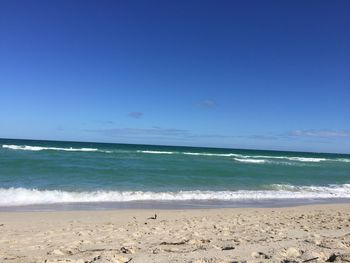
{"points": [[243, 74]]}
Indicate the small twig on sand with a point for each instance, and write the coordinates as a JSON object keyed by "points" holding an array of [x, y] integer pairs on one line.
{"points": [[311, 259], [153, 217], [174, 243]]}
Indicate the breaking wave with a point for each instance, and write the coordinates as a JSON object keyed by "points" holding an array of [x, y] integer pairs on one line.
{"points": [[249, 160], [212, 154], [238, 157], [252, 158], [41, 148], [155, 152], [298, 159], [23, 196]]}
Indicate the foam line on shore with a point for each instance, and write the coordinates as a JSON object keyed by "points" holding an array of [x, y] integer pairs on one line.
{"points": [[23, 196]]}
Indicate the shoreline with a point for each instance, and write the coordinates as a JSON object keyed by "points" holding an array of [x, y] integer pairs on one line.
{"points": [[173, 205], [298, 233]]}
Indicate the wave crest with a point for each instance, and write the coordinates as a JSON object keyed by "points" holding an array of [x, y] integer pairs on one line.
{"points": [[23, 196], [41, 148], [249, 160], [238, 157], [155, 152]]}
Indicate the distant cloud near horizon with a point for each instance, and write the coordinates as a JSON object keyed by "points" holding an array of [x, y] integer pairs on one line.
{"points": [[321, 133], [105, 122], [207, 104], [161, 132], [135, 114], [144, 132]]}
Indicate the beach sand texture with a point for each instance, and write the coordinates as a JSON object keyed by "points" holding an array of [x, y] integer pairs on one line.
{"points": [[317, 233]]}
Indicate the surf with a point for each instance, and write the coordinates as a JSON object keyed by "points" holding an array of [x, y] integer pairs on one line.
{"points": [[41, 148], [24, 196]]}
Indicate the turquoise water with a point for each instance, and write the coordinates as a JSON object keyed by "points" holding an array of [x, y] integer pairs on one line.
{"points": [[46, 172]]}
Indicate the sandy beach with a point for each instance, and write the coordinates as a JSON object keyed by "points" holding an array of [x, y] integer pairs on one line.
{"points": [[316, 233]]}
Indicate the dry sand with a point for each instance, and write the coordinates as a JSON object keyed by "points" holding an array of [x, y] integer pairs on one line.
{"points": [[299, 234]]}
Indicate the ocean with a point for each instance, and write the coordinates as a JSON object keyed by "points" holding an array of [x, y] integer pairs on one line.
{"points": [[65, 175]]}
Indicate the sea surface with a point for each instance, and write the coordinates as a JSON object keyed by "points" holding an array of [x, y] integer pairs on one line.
{"points": [[65, 175]]}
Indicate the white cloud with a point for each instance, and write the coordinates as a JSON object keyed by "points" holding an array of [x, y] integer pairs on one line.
{"points": [[144, 132], [135, 114], [207, 104], [321, 133]]}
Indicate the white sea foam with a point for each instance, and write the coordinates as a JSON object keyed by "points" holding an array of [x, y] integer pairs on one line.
{"points": [[299, 159], [192, 153], [212, 154], [249, 160], [343, 160], [23, 196], [155, 152], [41, 148], [304, 159], [290, 158]]}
